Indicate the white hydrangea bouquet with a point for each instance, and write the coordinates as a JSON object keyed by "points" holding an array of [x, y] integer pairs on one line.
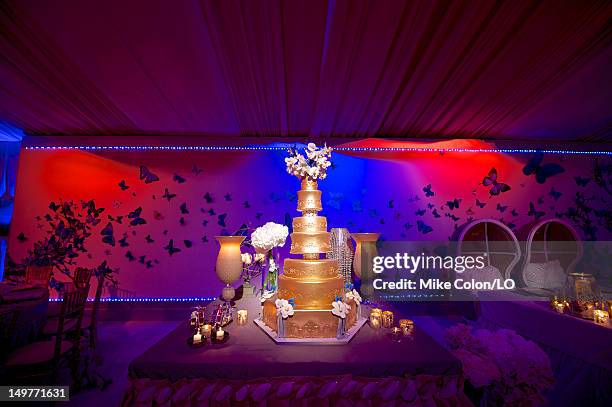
{"points": [[313, 166], [264, 239], [269, 236]]}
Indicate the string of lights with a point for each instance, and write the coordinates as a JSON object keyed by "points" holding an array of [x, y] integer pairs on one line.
{"points": [[338, 149], [147, 299]]}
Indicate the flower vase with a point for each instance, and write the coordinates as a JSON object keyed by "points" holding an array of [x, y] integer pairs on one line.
{"points": [[270, 281], [363, 261], [229, 263], [341, 328], [280, 323]]}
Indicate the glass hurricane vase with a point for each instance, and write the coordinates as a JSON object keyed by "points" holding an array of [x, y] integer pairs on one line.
{"points": [[229, 263]]}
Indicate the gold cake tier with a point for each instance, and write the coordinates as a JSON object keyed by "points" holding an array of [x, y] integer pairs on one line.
{"points": [[311, 223], [309, 201], [308, 324], [310, 243], [310, 269], [310, 294]]}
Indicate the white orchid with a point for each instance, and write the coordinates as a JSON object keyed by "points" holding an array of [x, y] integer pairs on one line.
{"points": [[266, 295], [313, 166], [247, 259], [340, 309], [284, 308], [259, 257], [353, 295], [269, 236]]}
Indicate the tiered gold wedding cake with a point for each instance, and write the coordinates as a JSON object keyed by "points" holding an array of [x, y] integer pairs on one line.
{"points": [[312, 282]]}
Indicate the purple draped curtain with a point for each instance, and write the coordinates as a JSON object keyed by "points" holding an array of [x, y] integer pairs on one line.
{"points": [[320, 68]]}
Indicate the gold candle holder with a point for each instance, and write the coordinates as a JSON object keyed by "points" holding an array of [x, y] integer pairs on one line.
{"points": [[387, 319], [375, 318], [206, 330], [407, 326], [242, 316], [396, 334], [601, 317]]}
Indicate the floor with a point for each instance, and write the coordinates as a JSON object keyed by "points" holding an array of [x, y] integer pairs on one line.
{"points": [[120, 342]]}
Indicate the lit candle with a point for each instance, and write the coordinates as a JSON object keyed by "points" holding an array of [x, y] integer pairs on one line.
{"points": [[558, 306], [206, 330], [601, 317], [387, 319], [242, 317], [220, 334], [407, 326], [197, 338], [375, 318], [396, 334], [375, 321]]}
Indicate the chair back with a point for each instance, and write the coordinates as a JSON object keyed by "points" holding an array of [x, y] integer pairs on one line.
{"points": [[38, 275], [73, 306], [8, 320], [82, 277], [93, 324]]}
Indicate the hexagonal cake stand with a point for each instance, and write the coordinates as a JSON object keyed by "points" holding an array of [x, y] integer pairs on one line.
{"points": [[312, 341]]}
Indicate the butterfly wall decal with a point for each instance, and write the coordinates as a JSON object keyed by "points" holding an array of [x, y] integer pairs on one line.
{"points": [[147, 176], [136, 218], [107, 234], [178, 179], [167, 195], [423, 227], [555, 194], [123, 241], [170, 248], [581, 181], [196, 170], [542, 172], [454, 204], [184, 209], [496, 187], [533, 212], [130, 256], [123, 185], [427, 190]]}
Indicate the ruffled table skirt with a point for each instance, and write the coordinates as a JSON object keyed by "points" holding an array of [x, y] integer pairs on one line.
{"points": [[349, 391]]}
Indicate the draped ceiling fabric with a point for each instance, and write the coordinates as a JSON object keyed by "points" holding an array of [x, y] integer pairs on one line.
{"points": [[468, 69]]}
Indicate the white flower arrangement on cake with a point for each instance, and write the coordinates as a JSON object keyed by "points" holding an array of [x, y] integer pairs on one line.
{"points": [[314, 165], [340, 309], [269, 236], [284, 308], [353, 295]]}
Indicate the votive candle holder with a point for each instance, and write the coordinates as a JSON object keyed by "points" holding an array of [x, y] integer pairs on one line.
{"points": [[601, 317], [387, 319], [242, 316], [407, 326]]}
